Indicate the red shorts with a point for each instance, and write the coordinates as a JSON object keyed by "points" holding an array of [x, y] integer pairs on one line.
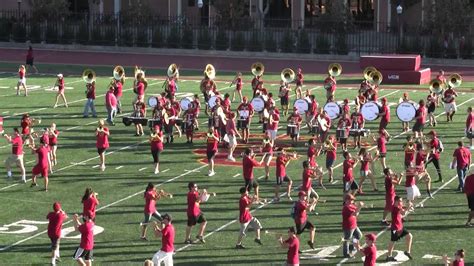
{"points": [[39, 169], [389, 201]]}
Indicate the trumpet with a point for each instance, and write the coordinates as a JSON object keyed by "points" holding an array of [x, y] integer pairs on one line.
{"points": [[154, 137], [257, 69], [99, 129], [119, 73], [36, 121], [89, 76], [335, 69], [163, 193]]}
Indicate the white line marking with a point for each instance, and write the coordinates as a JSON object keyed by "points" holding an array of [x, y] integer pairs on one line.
{"points": [[166, 170], [6, 112], [71, 128], [95, 166], [236, 175], [118, 167], [141, 169]]}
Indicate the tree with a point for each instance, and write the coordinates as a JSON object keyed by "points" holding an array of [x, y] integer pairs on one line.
{"points": [[230, 13], [449, 17], [48, 9]]}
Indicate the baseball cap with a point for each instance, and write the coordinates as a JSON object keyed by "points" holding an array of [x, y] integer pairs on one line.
{"points": [[301, 193], [371, 237], [56, 206], [60, 75]]}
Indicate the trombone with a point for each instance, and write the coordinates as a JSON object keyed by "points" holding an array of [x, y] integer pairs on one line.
{"points": [[335, 69], [89, 76], [257, 69]]}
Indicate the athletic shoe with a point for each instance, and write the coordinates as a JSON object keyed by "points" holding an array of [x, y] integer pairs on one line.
{"points": [[289, 198], [469, 225], [384, 222], [143, 238], [390, 259], [188, 241], [311, 244], [258, 241], [232, 159], [408, 255], [157, 172], [201, 239], [33, 185], [211, 173], [239, 246]]}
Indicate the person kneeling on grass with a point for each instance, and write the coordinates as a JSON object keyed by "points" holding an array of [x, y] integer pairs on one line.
{"points": [[397, 229], [246, 219]]}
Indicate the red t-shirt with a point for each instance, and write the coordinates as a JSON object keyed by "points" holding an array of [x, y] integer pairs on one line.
{"points": [[212, 143], [56, 220], [248, 164], [118, 89], [470, 121], [157, 145], [389, 188], [331, 153], [230, 127], [300, 212], [21, 73], [333, 84], [90, 92], [42, 152], [150, 201], [110, 99], [420, 159], [410, 178], [307, 173], [244, 207], [281, 165], [60, 84], [29, 55], [463, 156], [349, 220], [449, 95], [140, 88], [87, 235], [370, 255], [172, 87], [299, 79], [193, 205], [434, 144], [238, 83], [292, 256], [17, 145], [409, 156], [386, 110], [469, 185], [347, 166], [458, 263], [365, 163], [53, 139], [421, 114], [274, 124], [102, 139], [25, 126], [381, 144], [167, 238], [397, 223], [89, 205]]}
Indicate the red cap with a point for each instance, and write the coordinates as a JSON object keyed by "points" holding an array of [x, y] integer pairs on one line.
{"points": [[56, 206], [301, 193], [371, 237]]}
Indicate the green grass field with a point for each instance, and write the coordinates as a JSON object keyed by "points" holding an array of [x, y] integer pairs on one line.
{"points": [[438, 228]]}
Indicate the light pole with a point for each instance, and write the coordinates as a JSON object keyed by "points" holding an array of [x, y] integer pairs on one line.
{"points": [[400, 24], [19, 8], [200, 4]]}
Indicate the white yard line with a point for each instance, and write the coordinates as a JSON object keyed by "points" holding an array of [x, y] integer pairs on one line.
{"points": [[119, 167]]}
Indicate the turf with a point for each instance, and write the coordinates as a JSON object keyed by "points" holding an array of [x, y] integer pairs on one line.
{"points": [[438, 228]]}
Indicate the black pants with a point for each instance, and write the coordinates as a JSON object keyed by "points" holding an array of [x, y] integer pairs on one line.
{"points": [[436, 165]]}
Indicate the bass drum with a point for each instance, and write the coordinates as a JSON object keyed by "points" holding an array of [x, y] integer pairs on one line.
{"points": [[333, 110], [301, 105], [258, 104], [184, 103], [406, 111], [152, 101], [212, 101], [370, 111]]}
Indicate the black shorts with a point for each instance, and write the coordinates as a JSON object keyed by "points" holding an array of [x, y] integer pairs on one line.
{"points": [[343, 140], [156, 155], [470, 202], [82, 253], [395, 236], [101, 150], [29, 61], [54, 243], [193, 220], [301, 227], [418, 127], [431, 108], [249, 184], [280, 179], [284, 100], [329, 162], [382, 154], [348, 186], [210, 154]]}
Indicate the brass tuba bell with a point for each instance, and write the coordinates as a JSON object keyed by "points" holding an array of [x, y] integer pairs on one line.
{"points": [[210, 71], [335, 69], [88, 75], [455, 80], [257, 69], [173, 71], [367, 72], [287, 75], [437, 86], [139, 71], [119, 73], [375, 78]]}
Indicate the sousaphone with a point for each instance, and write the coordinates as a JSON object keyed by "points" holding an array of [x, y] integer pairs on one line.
{"points": [[173, 71], [119, 73], [437, 86], [375, 78], [210, 71], [455, 80], [287, 75], [368, 71], [335, 69], [257, 69], [88, 76]]}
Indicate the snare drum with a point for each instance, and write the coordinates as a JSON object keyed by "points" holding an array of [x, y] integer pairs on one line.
{"points": [[364, 132], [152, 101], [406, 111], [178, 121], [212, 101], [370, 111], [333, 110], [184, 103], [301, 105], [242, 124], [291, 130], [341, 133], [315, 129], [258, 104], [354, 132]]}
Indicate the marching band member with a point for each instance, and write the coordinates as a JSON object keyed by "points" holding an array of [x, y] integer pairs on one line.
{"points": [[462, 162], [111, 106], [381, 148], [90, 95], [231, 132], [89, 203], [267, 150], [312, 112], [102, 134], [246, 219], [365, 158], [434, 156], [53, 143], [21, 81], [167, 233], [345, 107], [344, 125], [139, 110], [360, 99], [413, 192], [431, 102], [299, 84], [26, 125], [238, 86], [248, 163], [246, 112], [458, 259], [197, 105], [284, 94], [372, 93], [30, 58], [444, 83], [61, 91], [118, 88], [358, 122], [350, 185], [218, 119], [177, 107], [171, 88], [156, 144], [16, 156], [42, 164], [309, 174], [420, 161], [405, 98], [257, 85], [226, 103], [212, 144], [350, 212], [273, 121], [364, 87], [449, 100], [391, 181], [324, 123], [295, 120], [208, 88], [190, 122], [293, 246], [151, 195], [83, 254], [420, 118], [139, 87], [301, 209], [55, 224], [282, 161], [469, 129], [330, 147], [385, 117], [330, 86], [314, 150], [398, 231], [194, 213], [169, 126], [369, 250]]}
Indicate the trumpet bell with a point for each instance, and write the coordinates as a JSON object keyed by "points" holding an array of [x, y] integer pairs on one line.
{"points": [[367, 72], [335, 69], [437, 86], [210, 71], [375, 78], [173, 71], [455, 80], [287, 75], [257, 69], [119, 73], [88, 75]]}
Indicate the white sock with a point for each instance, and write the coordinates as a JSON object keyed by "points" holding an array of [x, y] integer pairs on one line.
{"points": [[23, 177]]}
